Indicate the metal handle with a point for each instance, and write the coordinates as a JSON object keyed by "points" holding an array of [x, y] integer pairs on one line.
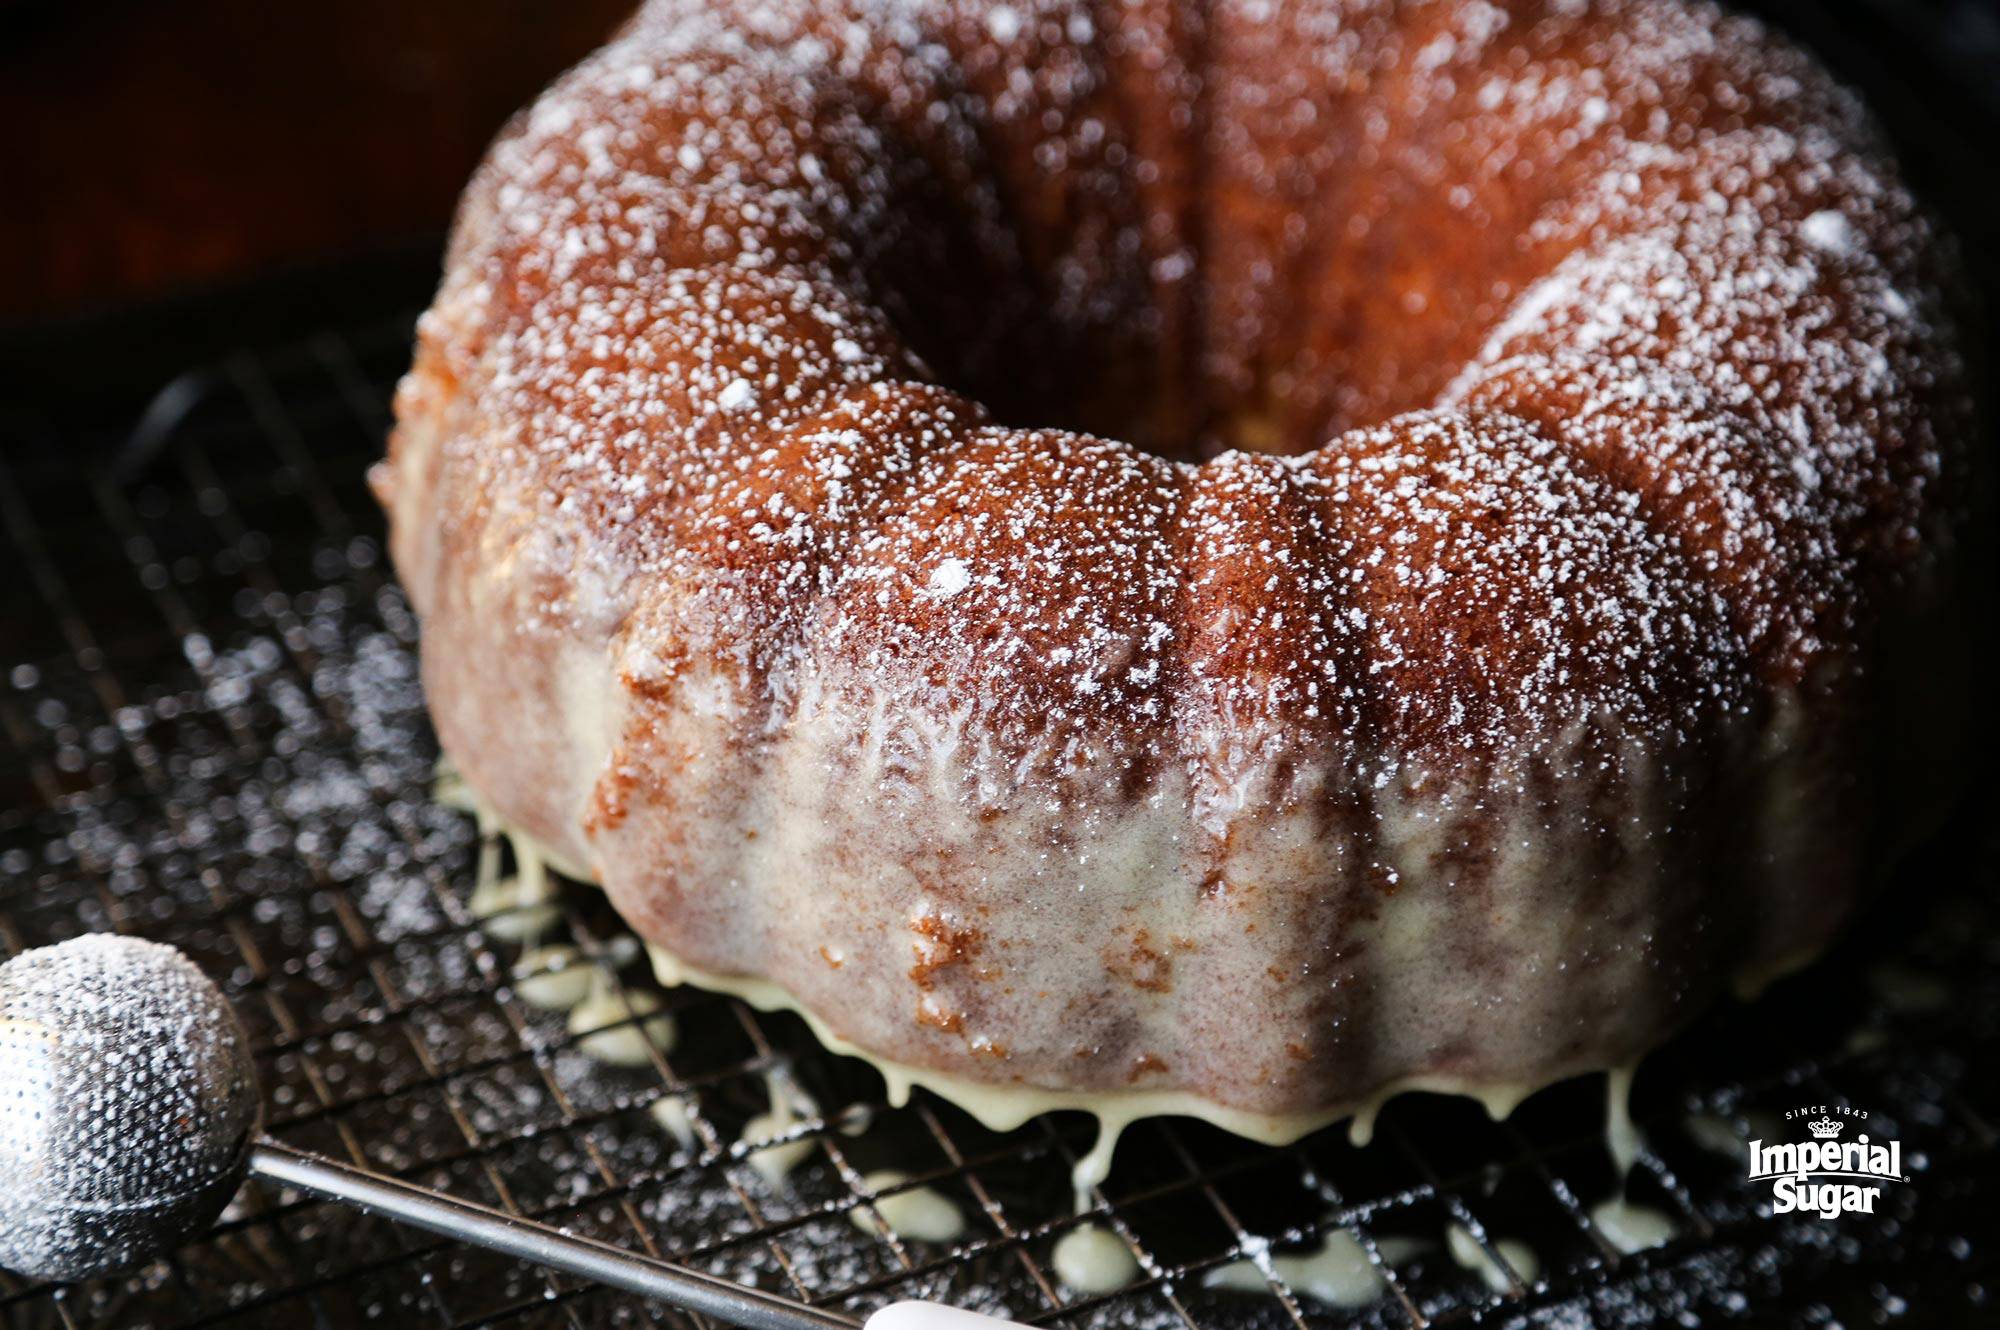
{"points": [[491, 1229]]}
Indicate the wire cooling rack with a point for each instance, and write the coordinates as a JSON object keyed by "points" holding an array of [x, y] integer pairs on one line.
{"points": [[211, 733]]}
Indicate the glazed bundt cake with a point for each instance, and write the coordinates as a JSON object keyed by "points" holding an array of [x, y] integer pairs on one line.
{"points": [[1167, 556]]}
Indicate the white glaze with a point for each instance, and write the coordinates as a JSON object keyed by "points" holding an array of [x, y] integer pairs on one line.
{"points": [[623, 1030], [774, 1163], [1467, 1252], [671, 1115], [1338, 1273], [555, 978], [449, 789], [1094, 1260], [1632, 1228], [509, 912], [921, 1214], [511, 909], [1621, 1134], [1499, 1101], [1004, 1108], [790, 1104], [1718, 1135]]}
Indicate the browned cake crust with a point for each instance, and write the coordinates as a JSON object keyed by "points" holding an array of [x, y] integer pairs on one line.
{"points": [[1580, 408]]}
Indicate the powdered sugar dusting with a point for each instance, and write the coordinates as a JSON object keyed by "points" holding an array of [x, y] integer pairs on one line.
{"points": [[949, 578], [700, 345], [1828, 230]]}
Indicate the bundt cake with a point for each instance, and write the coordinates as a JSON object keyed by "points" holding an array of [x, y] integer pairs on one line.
{"points": [[1222, 558]]}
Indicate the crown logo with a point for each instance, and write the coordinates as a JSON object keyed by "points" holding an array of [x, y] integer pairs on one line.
{"points": [[1825, 1129]]}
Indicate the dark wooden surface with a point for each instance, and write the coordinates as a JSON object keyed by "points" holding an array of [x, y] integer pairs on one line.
{"points": [[148, 147], [161, 148]]}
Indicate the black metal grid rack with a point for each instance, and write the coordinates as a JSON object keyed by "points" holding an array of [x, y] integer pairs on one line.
{"points": [[211, 733]]}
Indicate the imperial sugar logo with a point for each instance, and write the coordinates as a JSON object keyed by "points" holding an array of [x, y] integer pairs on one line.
{"points": [[1838, 1169]]}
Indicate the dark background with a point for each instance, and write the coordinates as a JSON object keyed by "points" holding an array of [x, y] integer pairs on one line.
{"points": [[155, 147], [305, 156]]}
